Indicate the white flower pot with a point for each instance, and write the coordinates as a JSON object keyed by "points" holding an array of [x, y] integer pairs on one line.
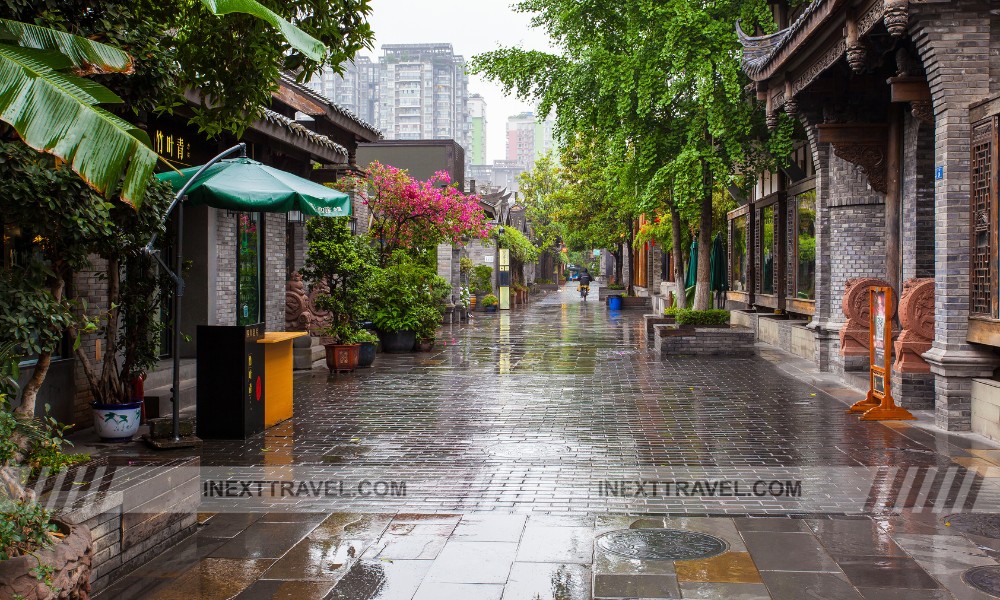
{"points": [[117, 422]]}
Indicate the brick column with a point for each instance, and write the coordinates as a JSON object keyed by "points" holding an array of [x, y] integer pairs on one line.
{"points": [[953, 41]]}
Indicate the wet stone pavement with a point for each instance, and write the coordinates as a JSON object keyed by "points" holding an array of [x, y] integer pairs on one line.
{"points": [[549, 453]]}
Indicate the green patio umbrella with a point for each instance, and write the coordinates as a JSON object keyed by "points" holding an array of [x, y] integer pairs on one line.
{"points": [[246, 185], [692, 272], [719, 282]]}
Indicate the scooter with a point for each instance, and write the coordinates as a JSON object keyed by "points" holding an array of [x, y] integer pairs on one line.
{"points": [[584, 290]]}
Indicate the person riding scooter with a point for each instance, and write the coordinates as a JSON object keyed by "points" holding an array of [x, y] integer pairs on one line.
{"points": [[585, 280]]}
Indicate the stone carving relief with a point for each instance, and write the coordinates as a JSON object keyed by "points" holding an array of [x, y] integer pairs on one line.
{"points": [[916, 313], [301, 312], [854, 337]]}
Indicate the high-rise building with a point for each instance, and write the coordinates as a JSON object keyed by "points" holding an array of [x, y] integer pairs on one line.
{"points": [[477, 130], [413, 92], [354, 90], [527, 139]]}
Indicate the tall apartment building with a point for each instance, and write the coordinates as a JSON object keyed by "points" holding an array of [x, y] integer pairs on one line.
{"points": [[413, 92], [477, 130], [527, 139], [356, 90]]}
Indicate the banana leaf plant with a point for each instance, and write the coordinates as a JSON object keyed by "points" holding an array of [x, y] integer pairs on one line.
{"points": [[46, 97]]}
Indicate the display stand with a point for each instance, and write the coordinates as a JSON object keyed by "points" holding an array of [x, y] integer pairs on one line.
{"points": [[278, 364]]}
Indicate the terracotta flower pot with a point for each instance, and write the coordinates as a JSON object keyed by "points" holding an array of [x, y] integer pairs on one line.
{"points": [[70, 558], [342, 358]]}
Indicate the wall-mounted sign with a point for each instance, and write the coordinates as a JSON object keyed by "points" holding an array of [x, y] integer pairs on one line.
{"points": [[939, 172], [878, 404], [488, 258]]}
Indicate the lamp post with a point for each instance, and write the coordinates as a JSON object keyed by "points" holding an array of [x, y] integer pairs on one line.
{"points": [[503, 266]]}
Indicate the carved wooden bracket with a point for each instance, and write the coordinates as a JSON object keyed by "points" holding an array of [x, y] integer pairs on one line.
{"points": [[862, 144], [917, 92], [896, 17]]}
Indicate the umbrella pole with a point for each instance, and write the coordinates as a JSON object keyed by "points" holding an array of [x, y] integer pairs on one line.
{"points": [[179, 280], [176, 337]]}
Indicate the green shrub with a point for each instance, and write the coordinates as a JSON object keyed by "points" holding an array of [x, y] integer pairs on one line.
{"points": [[616, 286], [491, 300], [482, 279], [713, 317], [671, 311]]}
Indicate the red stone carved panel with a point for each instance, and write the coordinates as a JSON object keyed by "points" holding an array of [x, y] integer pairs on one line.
{"points": [[301, 312], [854, 337], [916, 313]]}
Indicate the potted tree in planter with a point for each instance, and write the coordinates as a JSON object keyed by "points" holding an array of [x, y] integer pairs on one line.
{"points": [[411, 295], [482, 283], [345, 265]]}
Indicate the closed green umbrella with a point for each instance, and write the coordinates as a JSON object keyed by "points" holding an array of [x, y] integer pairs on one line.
{"points": [[246, 185], [692, 274], [719, 282]]}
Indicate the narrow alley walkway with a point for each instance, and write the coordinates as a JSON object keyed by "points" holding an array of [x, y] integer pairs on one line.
{"points": [[514, 460]]}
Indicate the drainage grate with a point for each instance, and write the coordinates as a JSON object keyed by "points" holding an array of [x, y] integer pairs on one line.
{"points": [[975, 524], [985, 579], [661, 544]]}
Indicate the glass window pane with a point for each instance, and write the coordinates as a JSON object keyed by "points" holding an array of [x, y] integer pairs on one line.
{"points": [[768, 249], [805, 277], [738, 269], [248, 269]]}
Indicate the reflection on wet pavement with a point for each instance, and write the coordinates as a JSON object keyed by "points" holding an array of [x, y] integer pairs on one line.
{"points": [[515, 417]]}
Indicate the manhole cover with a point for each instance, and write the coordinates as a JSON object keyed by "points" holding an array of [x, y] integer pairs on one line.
{"points": [[975, 524], [526, 450], [661, 544], [985, 579]]}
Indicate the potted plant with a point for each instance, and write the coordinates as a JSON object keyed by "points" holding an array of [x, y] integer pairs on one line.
{"points": [[429, 318], [482, 282], [368, 345], [342, 266], [412, 297], [490, 303], [40, 556]]}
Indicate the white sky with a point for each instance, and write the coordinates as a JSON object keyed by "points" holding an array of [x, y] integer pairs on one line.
{"points": [[471, 27]]}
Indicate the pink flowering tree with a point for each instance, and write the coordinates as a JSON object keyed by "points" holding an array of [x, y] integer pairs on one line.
{"points": [[407, 213]]}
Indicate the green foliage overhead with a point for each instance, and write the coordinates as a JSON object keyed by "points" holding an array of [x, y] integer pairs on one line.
{"points": [[482, 279], [520, 247]]}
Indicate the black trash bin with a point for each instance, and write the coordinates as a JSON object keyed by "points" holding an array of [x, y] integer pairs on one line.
{"points": [[230, 381]]}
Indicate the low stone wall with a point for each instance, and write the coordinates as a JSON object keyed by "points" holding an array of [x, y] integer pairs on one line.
{"points": [[704, 341], [744, 318], [634, 302], [655, 319], [986, 408], [603, 293], [135, 509]]}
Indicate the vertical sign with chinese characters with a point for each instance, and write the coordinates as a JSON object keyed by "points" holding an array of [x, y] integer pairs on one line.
{"points": [[172, 146], [879, 333]]}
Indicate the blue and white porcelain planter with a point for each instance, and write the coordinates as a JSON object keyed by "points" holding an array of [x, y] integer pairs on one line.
{"points": [[117, 422]]}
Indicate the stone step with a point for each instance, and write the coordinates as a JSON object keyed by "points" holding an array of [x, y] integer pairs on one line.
{"points": [[158, 400]]}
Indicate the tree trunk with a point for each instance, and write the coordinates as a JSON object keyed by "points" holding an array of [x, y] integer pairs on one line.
{"points": [[678, 253], [618, 265], [30, 392], [702, 293], [630, 285]]}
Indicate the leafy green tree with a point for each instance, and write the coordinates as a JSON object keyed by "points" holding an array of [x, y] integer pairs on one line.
{"points": [[60, 62], [660, 83]]}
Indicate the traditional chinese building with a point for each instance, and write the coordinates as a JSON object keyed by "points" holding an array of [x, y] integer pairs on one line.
{"points": [[239, 263], [894, 182]]}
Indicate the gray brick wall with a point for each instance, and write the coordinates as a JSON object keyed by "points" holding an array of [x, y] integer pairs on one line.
{"points": [[276, 274], [90, 286], [918, 199], [702, 341], [225, 256], [953, 40]]}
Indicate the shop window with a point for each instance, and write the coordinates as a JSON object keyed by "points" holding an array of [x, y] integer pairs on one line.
{"points": [[983, 267], [805, 246], [248, 268], [738, 265], [768, 249]]}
